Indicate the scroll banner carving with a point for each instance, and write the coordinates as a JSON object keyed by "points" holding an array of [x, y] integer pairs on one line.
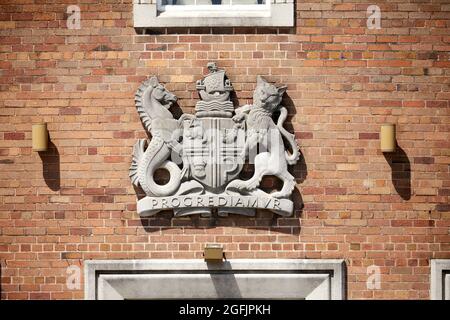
{"points": [[205, 152], [225, 203]]}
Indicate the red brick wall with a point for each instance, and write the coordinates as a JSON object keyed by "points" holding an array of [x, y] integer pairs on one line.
{"points": [[76, 202]]}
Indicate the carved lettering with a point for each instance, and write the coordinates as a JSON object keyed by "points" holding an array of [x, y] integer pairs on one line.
{"points": [[175, 202], [199, 201], [187, 202], [221, 201], [267, 203], [153, 204], [254, 203], [276, 204]]}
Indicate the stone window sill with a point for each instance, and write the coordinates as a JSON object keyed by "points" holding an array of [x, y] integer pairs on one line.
{"points": [[279, 14]]}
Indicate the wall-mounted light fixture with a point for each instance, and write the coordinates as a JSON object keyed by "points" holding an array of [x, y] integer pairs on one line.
{"points": [[387, 137], [213, 252], [39, 137]]}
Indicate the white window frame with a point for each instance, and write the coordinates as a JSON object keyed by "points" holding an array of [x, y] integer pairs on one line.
{"points": [[274, 13], [219, 10]]}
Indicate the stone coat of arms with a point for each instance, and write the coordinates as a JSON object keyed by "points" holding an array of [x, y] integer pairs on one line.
{"points": [[205, 152]]}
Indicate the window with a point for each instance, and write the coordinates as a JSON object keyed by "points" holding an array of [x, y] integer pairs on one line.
{"points": [[219, 8], [213, 13]]}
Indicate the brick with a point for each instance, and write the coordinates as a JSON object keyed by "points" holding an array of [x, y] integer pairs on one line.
{"points": [[14, 136], [123, 134], [443, 207], [81, 231], [424, 160], [70, 111], [114, 159], [332, 191], [304, 135], [347, 166], [368, 135]]}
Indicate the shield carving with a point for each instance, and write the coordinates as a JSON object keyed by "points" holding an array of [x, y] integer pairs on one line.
{"points": [[213, 148]]}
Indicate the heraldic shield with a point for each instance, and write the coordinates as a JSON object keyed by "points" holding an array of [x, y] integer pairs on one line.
{"points": [[214, 149], [205, 152]]}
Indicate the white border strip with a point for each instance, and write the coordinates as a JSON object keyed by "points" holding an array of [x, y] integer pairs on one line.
{"points": [[439, 267]]}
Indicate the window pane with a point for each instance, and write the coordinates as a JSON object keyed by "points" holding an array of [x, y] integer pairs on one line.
{"points": [[249, 1], [216, 2], [178, 2], [211, 2]]}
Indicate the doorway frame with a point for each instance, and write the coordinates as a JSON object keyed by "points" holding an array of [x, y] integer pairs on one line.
{"points": [[98, 274]]}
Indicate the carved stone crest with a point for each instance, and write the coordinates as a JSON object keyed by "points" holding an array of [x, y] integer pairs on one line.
{"points": [[205, 152]]}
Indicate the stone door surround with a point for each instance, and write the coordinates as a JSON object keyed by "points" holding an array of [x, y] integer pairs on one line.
{"points": [[314, 279], [440, 279]]}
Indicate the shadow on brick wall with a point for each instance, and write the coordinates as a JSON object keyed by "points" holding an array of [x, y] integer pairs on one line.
{"points": [[51, 166], [263, 220], [300, 169], [400, 172]]}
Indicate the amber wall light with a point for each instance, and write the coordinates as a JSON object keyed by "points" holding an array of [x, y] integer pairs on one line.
{"points": [[387, 137], [39, 136], [213, 252]]}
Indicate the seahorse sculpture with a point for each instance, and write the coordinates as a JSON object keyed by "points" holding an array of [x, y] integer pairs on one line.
{"points": [[153, 101]]}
